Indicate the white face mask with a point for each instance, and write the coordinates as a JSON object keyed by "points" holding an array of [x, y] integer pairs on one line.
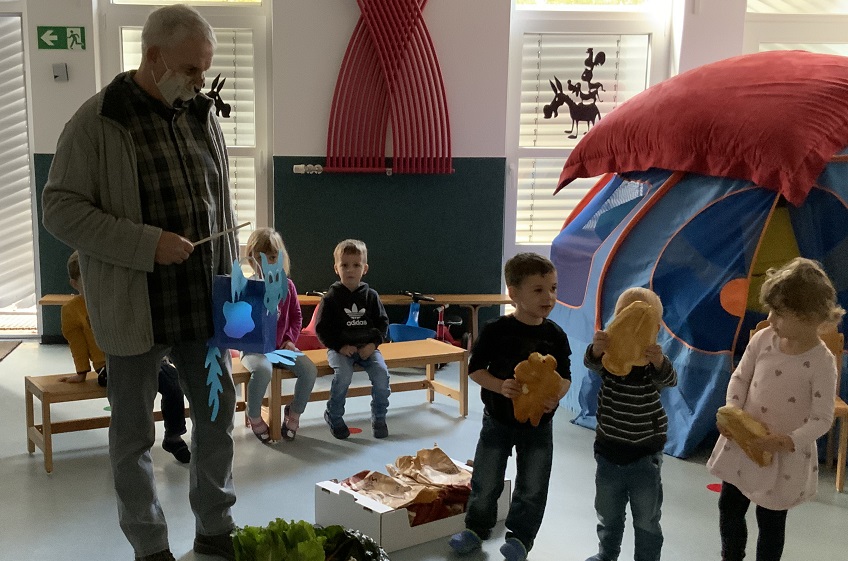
{"points": [[174, 85]]}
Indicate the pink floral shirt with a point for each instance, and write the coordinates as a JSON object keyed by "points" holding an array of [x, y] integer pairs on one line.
{"points": [[791, 394]]}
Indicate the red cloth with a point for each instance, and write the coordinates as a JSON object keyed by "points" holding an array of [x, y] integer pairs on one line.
{"points": [[774, 118]]}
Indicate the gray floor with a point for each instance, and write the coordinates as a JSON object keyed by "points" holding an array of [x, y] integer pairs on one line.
{"points": [[71, 513]]}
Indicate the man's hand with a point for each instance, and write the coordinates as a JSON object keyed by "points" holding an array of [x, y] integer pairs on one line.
{"points": [[347, 350], [511, 388], [600, 342], [172, 249], [366, 350]]}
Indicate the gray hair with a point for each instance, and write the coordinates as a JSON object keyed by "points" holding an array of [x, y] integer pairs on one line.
{"points": [[169, 25]]}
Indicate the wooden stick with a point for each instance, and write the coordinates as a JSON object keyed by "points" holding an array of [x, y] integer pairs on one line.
{"points": [[219, 234]]}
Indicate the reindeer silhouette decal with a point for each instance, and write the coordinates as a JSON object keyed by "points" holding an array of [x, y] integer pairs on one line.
{"points": [[214, 94], [587, 109]]}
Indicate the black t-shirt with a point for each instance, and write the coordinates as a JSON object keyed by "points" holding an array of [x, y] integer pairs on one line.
{"points": [[504, 343]]}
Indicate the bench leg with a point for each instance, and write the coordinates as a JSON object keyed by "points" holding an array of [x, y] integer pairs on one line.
{"points": [[840, 455], [30, 421], [431, 375], [463, 388], [275, 406], [47, 430]]}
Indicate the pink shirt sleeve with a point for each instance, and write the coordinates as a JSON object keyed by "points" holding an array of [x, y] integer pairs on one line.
{"points": [[290, 321]]}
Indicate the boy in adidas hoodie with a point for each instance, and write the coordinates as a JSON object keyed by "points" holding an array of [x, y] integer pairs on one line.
{"points": [[351, 324]]}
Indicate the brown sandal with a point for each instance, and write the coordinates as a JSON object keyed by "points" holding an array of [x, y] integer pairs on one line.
{"points": [[264, 434], [288, 432]]}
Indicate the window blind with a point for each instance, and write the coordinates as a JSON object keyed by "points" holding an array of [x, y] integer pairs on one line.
{"points": [[234, 61], [563, 56], [596, 4], [539, 214], [549, 56], [17, 276]]}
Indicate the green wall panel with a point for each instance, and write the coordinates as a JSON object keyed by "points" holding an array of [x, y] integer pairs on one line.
{"points": [[52, 259], [428, 233]]}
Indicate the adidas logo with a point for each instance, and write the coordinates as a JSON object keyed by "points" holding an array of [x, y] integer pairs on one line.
{"points": [[354, 312]]}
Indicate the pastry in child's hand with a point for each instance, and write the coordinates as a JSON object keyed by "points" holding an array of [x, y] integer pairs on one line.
{"points": [[630, 332], [539, 381], [743, 429]]}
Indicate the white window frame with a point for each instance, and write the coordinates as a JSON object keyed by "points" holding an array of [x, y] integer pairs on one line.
{"points": [[793, 28], [254, 16], [595, 22]]}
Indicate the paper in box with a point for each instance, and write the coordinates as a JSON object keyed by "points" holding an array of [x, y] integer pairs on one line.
{"points": [[335, 504]]}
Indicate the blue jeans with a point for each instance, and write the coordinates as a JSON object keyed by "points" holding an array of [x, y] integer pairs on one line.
{"points": [[638, 482], [260, 376], [534, 452], [378, 373]]}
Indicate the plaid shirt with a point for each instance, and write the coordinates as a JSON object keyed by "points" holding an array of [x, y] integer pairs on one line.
{"points": [[181, 188]]}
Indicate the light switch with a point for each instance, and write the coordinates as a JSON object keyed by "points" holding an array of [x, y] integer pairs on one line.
{"points": [[60, 72]]}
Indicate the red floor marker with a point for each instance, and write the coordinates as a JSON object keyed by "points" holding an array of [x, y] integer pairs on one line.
{"points": [[354, 430], [714, 487]]}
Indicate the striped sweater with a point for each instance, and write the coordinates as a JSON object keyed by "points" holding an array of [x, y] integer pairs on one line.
{"points": [[631, 420]]}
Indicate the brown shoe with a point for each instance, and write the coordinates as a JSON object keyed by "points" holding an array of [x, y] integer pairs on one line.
{"points": [[220, 545]]}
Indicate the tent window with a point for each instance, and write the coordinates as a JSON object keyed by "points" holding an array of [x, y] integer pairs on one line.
{"points": [[234, 61], [17, 278]]}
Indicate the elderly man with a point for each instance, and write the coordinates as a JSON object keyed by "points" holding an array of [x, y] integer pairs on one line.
{"points": [[140, 171]]}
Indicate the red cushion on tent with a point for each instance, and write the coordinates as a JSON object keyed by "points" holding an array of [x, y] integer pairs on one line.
{"points": [[774, 118]]}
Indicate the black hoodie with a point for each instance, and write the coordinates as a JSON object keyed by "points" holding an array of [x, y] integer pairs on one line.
{"points": [[351, 317]]}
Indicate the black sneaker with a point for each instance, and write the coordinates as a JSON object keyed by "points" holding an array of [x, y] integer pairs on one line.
{"points": [[220, 545], [338, 429], [164, 555], [102, 377], [381, 430], [179, 449]]}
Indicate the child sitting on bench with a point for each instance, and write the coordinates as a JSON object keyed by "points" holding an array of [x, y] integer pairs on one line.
{"points": [[76, 328]]}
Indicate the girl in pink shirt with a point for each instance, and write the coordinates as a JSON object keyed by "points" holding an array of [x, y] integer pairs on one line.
{"points": [[786, 380], [289, 323]]}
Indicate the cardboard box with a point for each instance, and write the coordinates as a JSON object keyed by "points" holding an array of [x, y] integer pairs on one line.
{"points": [[390, 527]]}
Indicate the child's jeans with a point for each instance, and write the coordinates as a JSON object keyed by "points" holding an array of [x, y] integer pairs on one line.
{"points": [[378, 373], [534, 452], [639, 483], [260, 376], [732, 506]]}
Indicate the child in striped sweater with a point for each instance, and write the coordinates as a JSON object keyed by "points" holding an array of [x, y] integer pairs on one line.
{"points": [[629, 441]]}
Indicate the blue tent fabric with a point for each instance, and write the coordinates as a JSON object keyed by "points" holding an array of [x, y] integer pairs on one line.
{"points": [[685, 236]]}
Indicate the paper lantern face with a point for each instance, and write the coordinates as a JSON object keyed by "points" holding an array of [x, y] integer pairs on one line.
{"points": [[245, 324]]}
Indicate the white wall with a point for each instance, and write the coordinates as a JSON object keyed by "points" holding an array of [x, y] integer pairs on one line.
{"points": [[471, 38], [706, 31], [53, 103]]}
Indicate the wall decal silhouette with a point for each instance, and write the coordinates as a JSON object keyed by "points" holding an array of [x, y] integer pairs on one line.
{"points": [[587, 110]]}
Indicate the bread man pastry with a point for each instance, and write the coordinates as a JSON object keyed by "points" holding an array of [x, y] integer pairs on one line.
{"points": [[743, 429], [539, 381], [630, 332]]}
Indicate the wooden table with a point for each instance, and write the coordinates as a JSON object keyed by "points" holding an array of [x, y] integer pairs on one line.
{"points": [[471, 301]]}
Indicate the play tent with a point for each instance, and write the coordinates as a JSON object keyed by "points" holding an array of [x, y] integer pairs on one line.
{"points": [[706, 186]]}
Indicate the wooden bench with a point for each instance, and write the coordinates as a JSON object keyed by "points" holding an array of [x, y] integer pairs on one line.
{"points": [[428, 353], [49, 390]]}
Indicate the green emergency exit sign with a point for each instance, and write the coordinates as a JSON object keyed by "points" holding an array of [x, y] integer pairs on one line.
{"points": [[61, 38]]}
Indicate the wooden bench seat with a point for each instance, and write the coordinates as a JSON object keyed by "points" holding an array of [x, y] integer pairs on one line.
{"points": [[428, 353], [49, 390]]}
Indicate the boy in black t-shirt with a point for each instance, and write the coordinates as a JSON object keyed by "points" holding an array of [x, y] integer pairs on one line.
{"points": [[531, 282]]}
